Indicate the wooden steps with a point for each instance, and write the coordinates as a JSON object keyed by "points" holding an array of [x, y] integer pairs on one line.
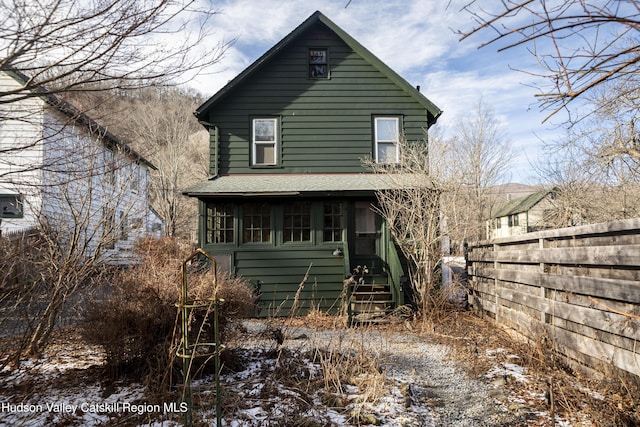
{"points": [[371, 301]]}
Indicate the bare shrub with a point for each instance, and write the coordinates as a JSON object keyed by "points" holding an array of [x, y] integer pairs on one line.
{"points": [[18, 282], [134, 324], [137, 321], [40, 286]]}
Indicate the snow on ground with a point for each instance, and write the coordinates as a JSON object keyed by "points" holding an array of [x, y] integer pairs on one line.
{"points": [[414, 383]]}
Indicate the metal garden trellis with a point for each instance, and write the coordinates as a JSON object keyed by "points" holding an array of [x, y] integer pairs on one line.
{"points": [[187, 351]]}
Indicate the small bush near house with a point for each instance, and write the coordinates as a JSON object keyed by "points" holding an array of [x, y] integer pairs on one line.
{"points": [[137, 321]]}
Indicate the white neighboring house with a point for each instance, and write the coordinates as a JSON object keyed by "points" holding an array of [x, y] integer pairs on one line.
{"points": [[60, 169]]}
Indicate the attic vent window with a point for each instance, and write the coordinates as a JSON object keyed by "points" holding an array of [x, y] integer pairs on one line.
{"points": [[318, 65]]}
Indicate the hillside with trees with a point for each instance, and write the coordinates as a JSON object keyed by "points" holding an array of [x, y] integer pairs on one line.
{"points": [[159, 123]]}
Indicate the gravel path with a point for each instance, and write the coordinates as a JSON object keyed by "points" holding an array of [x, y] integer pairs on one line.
{"points": [[457, 400], [434, 382]]}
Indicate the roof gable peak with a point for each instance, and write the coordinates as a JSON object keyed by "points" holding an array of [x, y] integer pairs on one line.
{"points": [[319, 17]]}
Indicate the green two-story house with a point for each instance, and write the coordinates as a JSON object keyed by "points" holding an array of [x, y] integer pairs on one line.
{"points": [[288, 194]]}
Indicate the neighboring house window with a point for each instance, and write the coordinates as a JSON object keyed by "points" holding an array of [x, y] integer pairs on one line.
{"points": [[264, 142], [136, 177], [256, 223], [387, 139], [514, 220], [11, 206], [297, 222], [219, 223], [498, 222], [110, 168], [124, 226], [108, 227], [332, 222], [318, 64], [136, 223]]}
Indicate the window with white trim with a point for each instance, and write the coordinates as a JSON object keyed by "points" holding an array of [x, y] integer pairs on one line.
{"points": [[387, 139], [264, 142]]}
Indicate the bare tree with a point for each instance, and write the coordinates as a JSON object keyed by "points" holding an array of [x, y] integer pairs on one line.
{"points": [[80, 214], [612, 132], [594, 167], [411, 208], [579, 44], [476, 157], [71, 45], [574, 187], [54, 50], [162, 124]]}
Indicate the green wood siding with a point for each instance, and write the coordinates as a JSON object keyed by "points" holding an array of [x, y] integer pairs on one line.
{"points": [[326, 124], [278, 272], [278, 267]]}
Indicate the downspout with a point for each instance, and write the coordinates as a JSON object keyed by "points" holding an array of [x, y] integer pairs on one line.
{"points": [[214, 138], [214, 146]]}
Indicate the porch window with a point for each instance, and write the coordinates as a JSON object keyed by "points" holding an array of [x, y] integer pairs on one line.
{"points": [[219, 227], [256, 223], [11, 206], [387, 139], [264, 142], [332, 222], [297, 222]]}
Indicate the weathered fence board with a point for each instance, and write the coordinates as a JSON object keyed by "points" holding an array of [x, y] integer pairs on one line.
{"points": [[621, 290], [594, 255], [579, 286]]}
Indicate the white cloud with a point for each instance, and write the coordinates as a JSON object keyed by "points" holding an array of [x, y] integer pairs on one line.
{"points": [[416, 39]]}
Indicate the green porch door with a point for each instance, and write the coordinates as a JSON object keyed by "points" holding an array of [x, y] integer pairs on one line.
{"points": [[367, 245]]}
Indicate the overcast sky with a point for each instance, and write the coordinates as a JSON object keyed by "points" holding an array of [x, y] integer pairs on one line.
{"points": [[416, 39]]}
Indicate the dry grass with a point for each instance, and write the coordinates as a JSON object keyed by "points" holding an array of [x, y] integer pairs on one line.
{"points": [[607, 400], [288, 381], [344, 374]]}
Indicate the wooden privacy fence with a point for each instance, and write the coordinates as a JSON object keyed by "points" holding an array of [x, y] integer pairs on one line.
{"points": [[578, 286]]}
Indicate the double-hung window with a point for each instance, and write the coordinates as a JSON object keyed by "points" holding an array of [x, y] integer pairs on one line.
{"points": [[264, 142], [387, 139]]}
